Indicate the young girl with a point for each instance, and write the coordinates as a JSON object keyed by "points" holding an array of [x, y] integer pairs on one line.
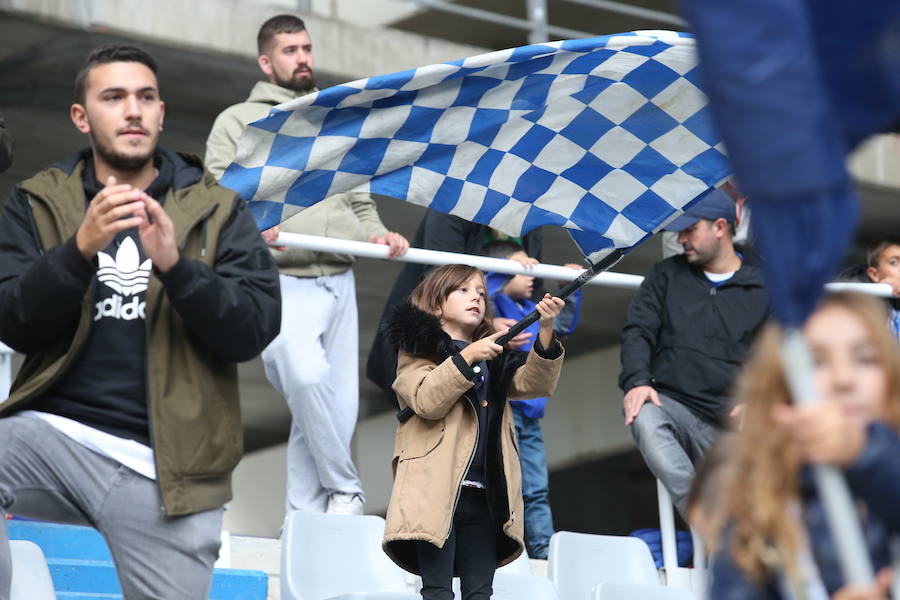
{"points": [[776, 542], [456, 506]]}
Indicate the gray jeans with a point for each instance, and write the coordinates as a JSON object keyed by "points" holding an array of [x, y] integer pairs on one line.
{"points": [[671, 439], [45, 475]]}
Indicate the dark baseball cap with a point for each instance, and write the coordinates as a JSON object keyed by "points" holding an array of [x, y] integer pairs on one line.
{"points": [[714, 205]]}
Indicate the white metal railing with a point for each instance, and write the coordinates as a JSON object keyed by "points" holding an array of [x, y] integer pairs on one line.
{"points": [[501, 265], [537, 22], [676, 576], [437, 257]]}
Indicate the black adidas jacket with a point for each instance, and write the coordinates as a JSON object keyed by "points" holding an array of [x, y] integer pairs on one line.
{"points": [[687, 338]]}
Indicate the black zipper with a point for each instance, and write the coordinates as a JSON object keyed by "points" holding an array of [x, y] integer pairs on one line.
{"points": [[468, 464]]}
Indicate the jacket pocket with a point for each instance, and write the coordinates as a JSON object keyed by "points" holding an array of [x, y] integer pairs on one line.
{"points": [[418, 437]]}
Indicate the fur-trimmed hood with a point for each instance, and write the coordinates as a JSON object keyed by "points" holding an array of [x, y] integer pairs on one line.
{"points": [[416, 332]]}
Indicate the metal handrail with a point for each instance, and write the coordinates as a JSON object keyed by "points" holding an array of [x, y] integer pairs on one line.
{"points": [[500, 265]]}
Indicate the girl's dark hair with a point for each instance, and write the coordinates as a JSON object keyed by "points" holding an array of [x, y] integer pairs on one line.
{"points": [[430, 295], [110, 53]]}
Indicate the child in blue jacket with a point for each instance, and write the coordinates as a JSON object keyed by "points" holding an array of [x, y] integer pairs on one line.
{"points": [[511, 297]]}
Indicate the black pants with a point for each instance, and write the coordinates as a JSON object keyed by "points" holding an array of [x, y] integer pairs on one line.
{"points": [[470, 551]]}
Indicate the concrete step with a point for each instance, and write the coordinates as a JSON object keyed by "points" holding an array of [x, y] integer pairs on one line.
{"points": [[260, 554]]}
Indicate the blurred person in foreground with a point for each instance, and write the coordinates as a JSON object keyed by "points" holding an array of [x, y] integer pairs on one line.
{"points": [[775, 542]]}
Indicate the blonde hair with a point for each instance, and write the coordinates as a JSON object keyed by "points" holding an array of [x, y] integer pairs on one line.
{"points": [[767, 532], [431, 293]]}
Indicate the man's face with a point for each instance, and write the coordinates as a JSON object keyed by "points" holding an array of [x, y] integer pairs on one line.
{"points": [[702, 241], [122, 113], [289, 63], [888, 266]]}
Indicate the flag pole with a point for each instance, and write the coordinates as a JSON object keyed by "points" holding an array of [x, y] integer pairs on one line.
{"points": [[840, 512], [606, 263]]}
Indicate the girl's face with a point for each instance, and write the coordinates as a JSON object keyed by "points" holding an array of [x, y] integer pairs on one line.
{"points": [[848, 368], [463, 310]]}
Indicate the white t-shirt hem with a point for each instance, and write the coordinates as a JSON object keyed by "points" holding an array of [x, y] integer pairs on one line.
{"points": [[134, 455]]}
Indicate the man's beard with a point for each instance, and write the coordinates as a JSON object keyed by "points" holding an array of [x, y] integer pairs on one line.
{"points": [[304, 83], [700, 259], [118, 161]]}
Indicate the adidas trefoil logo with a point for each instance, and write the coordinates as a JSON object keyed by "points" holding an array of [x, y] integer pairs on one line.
{"points": [[125, 277]]}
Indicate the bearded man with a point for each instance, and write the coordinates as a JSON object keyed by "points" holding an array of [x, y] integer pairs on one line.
{"points": [[688, 329], [313, 363]]}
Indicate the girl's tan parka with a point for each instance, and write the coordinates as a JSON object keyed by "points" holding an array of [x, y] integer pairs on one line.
{"points": [[433, 448]]}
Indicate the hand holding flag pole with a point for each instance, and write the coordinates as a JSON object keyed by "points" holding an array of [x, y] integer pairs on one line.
{"points": [[606, 263], [840, 511]]}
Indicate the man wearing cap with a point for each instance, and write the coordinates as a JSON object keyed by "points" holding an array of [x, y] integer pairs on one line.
{"points": [[688, 330]]}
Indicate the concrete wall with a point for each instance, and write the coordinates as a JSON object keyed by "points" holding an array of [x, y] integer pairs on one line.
{"points": [[583, 422], [259, 490], [230, 26], [367, 13]]}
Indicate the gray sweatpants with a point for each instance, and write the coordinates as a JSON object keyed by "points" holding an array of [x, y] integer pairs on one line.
{"points": [[671, 440], [314, 364], [46, 475]]}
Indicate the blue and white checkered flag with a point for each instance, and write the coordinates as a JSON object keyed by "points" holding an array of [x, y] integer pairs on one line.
{"points": [[609, 137]]}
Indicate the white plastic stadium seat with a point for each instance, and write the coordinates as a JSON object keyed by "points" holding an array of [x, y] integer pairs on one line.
{"points": [[520, 566], [579, 561], [338, 557], [623, 591], [30, 575]]}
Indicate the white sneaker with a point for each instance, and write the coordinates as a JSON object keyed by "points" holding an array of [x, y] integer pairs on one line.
{"points": [[340, 503]]}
